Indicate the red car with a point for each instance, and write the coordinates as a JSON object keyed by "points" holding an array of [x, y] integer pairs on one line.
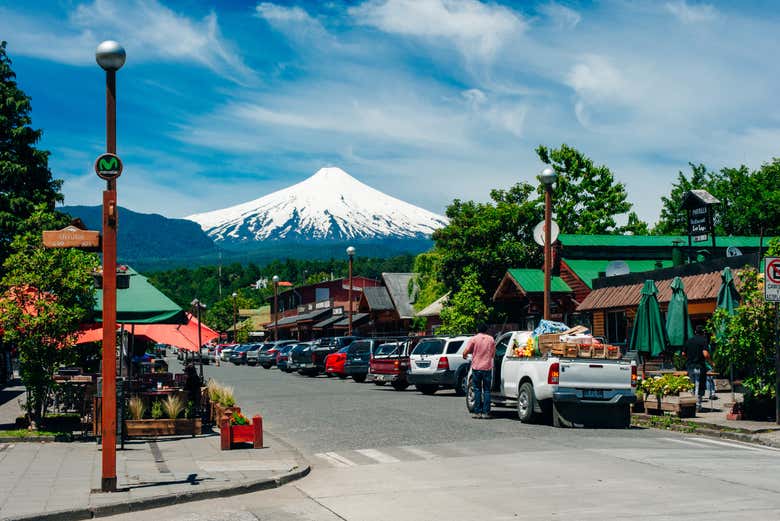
{"points": [[334, 363]]}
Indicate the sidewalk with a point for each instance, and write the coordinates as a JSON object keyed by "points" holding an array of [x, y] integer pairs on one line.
{"points": [[711, 421], [62, 480]]}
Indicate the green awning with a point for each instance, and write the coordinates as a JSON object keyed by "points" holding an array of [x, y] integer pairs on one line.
{"points": [[141, 303]]}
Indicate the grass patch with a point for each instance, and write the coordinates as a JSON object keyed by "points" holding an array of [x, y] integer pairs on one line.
{"points": [[26, 433]]}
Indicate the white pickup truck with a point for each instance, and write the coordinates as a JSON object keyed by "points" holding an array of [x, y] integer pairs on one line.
{"points": [[574, 391]]}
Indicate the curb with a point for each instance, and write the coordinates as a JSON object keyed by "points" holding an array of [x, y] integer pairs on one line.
{"points": [[164, 501], [123, 507], [711, 431]]}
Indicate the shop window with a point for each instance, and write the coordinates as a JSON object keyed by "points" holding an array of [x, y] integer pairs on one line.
{"points": [[616, 327]]}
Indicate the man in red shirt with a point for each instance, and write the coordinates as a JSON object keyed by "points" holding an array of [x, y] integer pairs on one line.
{"points": [[483, 350]]}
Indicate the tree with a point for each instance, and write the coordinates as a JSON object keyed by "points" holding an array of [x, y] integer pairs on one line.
{"points": [[47, 293], [25, 179], [220, 315], [586, 198], [749, 200], [466, 308]]}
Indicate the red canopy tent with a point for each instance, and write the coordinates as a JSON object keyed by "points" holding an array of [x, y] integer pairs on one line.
{"points": [[184, 336]]}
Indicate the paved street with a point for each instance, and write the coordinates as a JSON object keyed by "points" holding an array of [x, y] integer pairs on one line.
{"points": [[380, 454]]}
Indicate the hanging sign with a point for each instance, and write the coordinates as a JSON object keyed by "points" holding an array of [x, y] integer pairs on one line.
{"points": [[699, 223], [772, 279], [71, 237]]}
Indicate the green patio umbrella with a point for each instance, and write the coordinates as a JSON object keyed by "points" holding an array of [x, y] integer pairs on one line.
{"points": [[728, 299], [649, 335], [678, 323]]}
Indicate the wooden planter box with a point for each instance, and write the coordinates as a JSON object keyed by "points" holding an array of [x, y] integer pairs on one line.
{"points": [[163, 427], [684, 406], [218, 411], [231, 435]]}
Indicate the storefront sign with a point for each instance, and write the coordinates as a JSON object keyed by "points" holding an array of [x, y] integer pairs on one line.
{"points": [[71, 237], [772, 279], [699, 223]]}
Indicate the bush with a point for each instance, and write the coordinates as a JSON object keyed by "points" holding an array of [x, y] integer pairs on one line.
{"points": [[137, 408], [157, 411], [173, 406], [667, 385]]}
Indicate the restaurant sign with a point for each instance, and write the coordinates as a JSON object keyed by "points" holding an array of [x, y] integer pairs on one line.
{"points": [[71, 237], [699, 223]]}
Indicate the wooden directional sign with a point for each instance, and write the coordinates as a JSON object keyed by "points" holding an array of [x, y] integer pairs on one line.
{"points": [[71, 237], [108, 166]]}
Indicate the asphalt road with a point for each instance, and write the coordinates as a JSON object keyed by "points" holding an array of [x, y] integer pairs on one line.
{"points": [[378, 454]]}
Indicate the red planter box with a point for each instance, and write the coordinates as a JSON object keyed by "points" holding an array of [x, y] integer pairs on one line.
{"points": [[233, 434]]}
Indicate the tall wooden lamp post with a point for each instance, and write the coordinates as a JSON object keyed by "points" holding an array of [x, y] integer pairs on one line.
{"points": [[110, 56], [351, 253], [548, 177], [276, 307]]}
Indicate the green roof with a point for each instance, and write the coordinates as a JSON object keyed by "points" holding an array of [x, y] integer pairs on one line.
{"points": [[532, 281], [587, 270], [141, 303], [568, 239]]}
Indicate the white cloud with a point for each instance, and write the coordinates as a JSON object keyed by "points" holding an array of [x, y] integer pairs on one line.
{"points": [[691, 13], [478, 30], [148, 30], [278, 13], [561, 16]]}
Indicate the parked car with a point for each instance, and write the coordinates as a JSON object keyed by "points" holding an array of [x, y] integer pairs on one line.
{"points": [[251, 355], [587, 391], [238, 356], [282, 357], [294, 355], [319, 351], [225, 350], [267, 355], [390, 363], [359, 354], [302, 359], [437, 363], [334, 363]]}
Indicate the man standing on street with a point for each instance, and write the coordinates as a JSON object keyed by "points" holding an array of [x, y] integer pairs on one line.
{"points": [[483, 350], [696, 355]]}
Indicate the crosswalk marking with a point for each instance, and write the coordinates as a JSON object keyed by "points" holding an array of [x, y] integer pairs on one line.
{"points": [[703, 443], [730, 444], [684, 442], [336, 460], [424, 454], [381, 457]]}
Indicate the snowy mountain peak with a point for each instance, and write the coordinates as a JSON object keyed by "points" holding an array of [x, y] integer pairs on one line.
{"points": [[329, 205]]}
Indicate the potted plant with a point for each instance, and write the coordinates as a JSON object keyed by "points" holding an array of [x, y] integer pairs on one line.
{"points": [[237, 428], [171, 407], [669, 393]]}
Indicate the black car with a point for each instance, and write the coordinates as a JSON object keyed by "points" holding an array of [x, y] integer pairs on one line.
{"points": [[283, 356], [267, 354], [359, 355], [238, 356], [320, 349], [296, 355]]}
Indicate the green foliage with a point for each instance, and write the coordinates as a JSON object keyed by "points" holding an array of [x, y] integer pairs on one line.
{"points": [[157, 410], [239, 419], [26, 182], [586, 197], [667, 385], [220, 315], [46, 294], [427, 266], [745, 340], [242, 335], [466, 308], [750, 201]]}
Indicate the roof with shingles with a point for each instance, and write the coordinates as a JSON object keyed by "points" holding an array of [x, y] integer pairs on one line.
{"points": [[378, 299], [434, 309], [356, 317], [327, 322], [587, 269], [398, 286], [698, 287]]}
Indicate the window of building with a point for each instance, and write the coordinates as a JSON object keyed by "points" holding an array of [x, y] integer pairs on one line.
{"points": [[616, 327]]}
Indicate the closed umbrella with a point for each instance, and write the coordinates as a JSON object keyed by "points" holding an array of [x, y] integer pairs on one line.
{"points": [[649, 335], [678, 323], [728, 299]]}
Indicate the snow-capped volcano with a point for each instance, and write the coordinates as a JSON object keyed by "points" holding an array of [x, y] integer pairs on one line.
{"points": [[330, 205]]}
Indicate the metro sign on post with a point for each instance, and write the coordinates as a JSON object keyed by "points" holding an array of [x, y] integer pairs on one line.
{"points": [[108, 166], [772, 279]]}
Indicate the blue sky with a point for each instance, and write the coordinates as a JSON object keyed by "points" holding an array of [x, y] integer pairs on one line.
{"points": [[427, 100]]}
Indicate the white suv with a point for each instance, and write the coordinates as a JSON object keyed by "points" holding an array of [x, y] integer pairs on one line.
{"points": [[438, 363]]}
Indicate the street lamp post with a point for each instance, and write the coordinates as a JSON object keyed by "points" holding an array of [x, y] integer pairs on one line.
{"points": [[235, 311], [351, 253], [276, 307], [110, 56], [548, 177], [197, 304]]}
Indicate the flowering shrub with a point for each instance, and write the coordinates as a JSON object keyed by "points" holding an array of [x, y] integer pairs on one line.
{"points": [[239, 419], [667, 385]]}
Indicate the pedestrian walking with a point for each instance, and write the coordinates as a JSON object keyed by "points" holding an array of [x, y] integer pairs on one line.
{"points": [[192, 385], [217, 354], [482, 347], [697, 354]]}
